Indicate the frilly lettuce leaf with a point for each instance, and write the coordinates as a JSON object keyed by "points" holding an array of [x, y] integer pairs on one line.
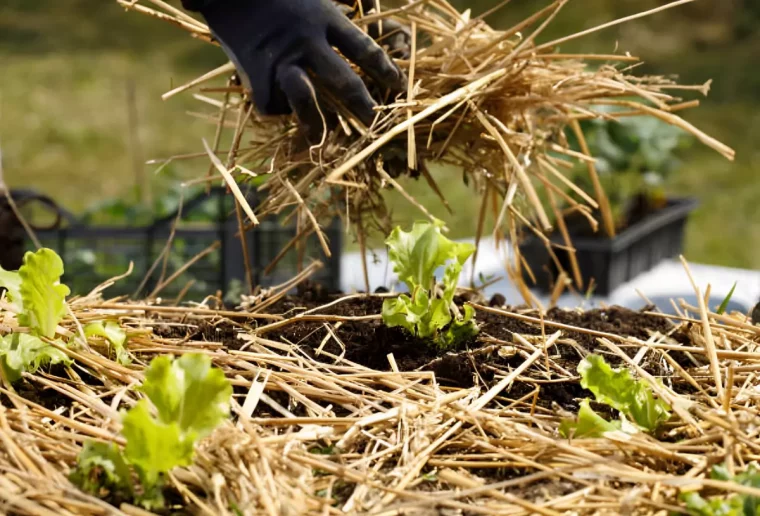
{"points": [[461, 329], [619, 390], [588, 425], [191, 398], [737, 504], [427, 312], [101, 466], [21, 352], [417, 254], [11, 282], [113, 333], [42, 294], [418, 315], [153, 446], [188, 391]]}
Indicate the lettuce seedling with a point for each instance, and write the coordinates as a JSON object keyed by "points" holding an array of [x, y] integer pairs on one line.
{"points": [[736, 505], [37, 295], [190, 398], [101, 469], [588, 425], [42, 294], [615, 388], [429, 311], [114, 334]]}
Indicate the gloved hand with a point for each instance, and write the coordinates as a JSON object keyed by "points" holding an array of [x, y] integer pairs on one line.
{"points": [[281, 48]]}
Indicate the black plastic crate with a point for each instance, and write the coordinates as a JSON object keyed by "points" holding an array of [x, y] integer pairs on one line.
{"points": [[95, 254], [612, 262]]}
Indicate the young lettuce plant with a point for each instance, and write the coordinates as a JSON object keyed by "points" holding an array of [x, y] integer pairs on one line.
{"points": [[191, 398], [39, 300], [615, 388], [114, 335], [429, 312], [735, 505]]}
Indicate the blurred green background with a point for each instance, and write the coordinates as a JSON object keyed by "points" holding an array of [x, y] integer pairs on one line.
{"points": [[81, 109]]}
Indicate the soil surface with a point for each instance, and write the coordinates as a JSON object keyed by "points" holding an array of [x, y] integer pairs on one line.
{"points": [[483, 360], [478, 361], [489, 356]]}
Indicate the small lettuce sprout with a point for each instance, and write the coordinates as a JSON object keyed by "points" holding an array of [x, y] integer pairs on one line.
{"points": [[114, 334], [190, 397], [39, 299], [429, 311], [736, 505], [588, 425], [634, 399]]}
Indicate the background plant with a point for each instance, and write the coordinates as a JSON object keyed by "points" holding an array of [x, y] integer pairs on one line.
{"points": [[635, 156]]}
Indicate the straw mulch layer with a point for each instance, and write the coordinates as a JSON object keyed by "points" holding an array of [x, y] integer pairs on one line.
{"points": [[498, 105], [333, 414]]}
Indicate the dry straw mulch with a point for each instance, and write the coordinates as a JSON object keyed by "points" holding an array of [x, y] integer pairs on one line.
{"points": [[496, 104], [327, 436]]}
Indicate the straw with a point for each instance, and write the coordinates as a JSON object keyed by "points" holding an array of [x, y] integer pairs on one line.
{"points": [[313, 435], [492, 103]]}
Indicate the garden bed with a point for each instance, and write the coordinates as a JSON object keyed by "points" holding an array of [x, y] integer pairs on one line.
{"points": [[334, 413]]}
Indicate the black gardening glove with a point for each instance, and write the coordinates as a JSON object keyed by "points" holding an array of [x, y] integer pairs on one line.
{"points": [[281, 46]]}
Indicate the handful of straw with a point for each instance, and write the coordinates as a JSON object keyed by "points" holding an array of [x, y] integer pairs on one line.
{"points": [[493, 103]]}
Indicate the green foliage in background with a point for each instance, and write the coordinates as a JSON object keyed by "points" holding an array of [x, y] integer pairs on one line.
{"points": [[66, 130], [634, 157]]}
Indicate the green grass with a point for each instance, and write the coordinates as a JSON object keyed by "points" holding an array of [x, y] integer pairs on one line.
{"points": [[64, 128], [64, 125]]}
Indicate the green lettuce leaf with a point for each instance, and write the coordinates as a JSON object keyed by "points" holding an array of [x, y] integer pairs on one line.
{"points": [[588, 425], [21, 352], [419, 315], [399, 312], [43, 296], [617, 389], [698, 506], [417, 254], [114, 334], [461, 329], [188, 391], [735, 505], [427, 313], [101, 466], [11, 282], [152, 446], [191, 398]]}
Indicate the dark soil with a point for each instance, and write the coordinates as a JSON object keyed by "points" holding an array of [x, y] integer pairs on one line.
{"points": [[36, 393], [369, 342], [476, 362]]}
